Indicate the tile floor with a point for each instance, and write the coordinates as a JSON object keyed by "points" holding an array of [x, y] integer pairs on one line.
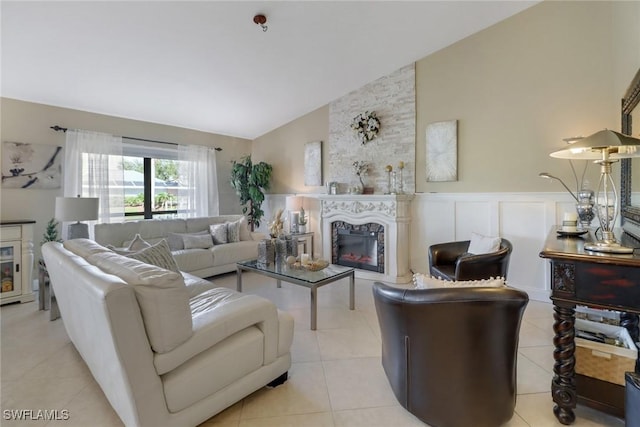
{"points": [[336, 378]]}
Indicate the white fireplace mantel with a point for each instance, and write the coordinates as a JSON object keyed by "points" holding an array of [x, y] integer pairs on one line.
{"points": [[392, 211]]}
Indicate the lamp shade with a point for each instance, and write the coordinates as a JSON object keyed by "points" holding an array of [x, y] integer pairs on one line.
{"points": [[294, 203], [76, 208], [617, 145]]}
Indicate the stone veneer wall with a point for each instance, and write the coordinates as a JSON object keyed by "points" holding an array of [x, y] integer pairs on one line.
{"points": [[393, 99]]}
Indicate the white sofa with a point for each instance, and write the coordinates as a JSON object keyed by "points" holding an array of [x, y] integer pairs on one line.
{"points": [[218, 259], [167, 348]]}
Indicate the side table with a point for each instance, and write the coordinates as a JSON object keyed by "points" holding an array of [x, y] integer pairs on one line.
{"points": [[46, 297]]}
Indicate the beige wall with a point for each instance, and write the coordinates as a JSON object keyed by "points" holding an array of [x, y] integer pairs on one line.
{"points": [[517, 88], [29, 122], [283, 148]]}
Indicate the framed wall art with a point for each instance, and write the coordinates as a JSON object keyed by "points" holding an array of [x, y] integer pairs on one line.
{"points": [[442, 151], [313, 163], [27, 165]]}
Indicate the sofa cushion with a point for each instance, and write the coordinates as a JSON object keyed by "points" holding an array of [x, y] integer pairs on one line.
{"points": [[161, 294], [158, 255], [196, 285], [217, 314], [193, 259], [219, 233], [234, 252], [176, 240], [197, 241]]}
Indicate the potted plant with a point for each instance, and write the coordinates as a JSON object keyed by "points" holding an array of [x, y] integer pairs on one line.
{"points": [[250, 181], [302, 221]]}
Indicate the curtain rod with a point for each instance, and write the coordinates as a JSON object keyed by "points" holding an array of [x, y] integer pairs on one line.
{"points": [[58, 128]]}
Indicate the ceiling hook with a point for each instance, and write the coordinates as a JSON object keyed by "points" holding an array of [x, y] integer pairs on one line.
{"points": [[261, 20]]}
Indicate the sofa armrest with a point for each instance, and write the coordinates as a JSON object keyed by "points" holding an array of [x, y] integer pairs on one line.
{"points": [[227, 315]]}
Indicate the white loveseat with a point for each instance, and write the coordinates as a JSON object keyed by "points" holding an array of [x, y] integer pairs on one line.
{"points": [[167, 348], [220, 258]]}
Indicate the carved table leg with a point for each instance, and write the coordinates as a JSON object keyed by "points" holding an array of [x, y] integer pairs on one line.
{"points": [[563, 386]]}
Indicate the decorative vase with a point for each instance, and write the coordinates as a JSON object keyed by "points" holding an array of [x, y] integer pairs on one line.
{"points": [[302, 228], [585, 207], [388, 183], [392, 186], [266, 251], [399, 183]]}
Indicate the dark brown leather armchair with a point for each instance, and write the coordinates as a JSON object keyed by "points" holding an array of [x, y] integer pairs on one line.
{"points": [[450, 261], [450, 353]]}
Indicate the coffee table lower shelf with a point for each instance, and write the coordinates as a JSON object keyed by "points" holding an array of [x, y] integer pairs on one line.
{"points": [[308, 279]]}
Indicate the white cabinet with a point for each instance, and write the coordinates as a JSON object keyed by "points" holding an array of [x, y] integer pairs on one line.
{"points": [[16, 261]]}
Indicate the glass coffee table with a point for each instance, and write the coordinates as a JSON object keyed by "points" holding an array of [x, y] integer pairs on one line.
{"points": [[309, 279]]}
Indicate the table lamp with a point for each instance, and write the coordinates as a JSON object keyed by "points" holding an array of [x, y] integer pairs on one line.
{"points": [[294, 203], [604, 148], [77, 209]]}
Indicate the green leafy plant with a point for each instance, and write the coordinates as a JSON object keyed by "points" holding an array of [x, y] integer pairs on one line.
{"points": [[51, 232], [250, 181]]}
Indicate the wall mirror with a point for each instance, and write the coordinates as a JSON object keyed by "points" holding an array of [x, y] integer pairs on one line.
{"points": [[630, 207]]}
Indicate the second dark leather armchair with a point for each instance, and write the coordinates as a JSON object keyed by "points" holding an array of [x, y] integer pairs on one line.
{"points": [[450, 354], [450, 261]]}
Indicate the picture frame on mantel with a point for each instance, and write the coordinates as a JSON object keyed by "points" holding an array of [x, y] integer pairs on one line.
{"points": [[313, 163], [442, 151]]}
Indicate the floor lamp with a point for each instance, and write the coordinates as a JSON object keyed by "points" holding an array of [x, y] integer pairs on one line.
{"points": [[77, 209], [604, 148]]}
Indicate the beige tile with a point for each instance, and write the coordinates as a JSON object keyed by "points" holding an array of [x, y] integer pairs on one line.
{"points": [[305, 392], [541, 356], [230, 417], [536, 309], [348, 343], [537, 411], [516, 421], [64, 363], [531, 336], [532, 378], [90, 408], [305, 346], [323, 419], [395, 416], [358, 383]]}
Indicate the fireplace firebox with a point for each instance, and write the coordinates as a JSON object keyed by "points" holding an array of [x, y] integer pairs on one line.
{"points": [[359, 246]]}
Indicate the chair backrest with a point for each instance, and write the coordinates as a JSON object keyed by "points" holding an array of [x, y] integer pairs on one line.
{"points": [[450, 353], [451, 262]]}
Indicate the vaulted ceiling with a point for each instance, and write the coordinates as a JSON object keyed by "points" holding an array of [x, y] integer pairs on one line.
{"points": [[206, 65]]}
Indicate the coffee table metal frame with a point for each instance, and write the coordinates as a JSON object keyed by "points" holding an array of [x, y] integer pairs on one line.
{"points": [[312, 285]]}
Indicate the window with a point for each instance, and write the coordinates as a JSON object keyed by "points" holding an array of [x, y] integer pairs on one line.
{"points": [[150, 187]]}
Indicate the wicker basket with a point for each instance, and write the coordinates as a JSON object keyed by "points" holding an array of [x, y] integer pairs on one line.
{"points": [[604, 361]]}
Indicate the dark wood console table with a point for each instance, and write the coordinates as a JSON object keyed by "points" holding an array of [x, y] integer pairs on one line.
{"points": [[599, 280]]}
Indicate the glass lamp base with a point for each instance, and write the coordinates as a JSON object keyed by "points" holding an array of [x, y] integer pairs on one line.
{"points": [[609, 247]]}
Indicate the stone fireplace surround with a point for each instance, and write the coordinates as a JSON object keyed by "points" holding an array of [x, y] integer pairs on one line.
{"points": [[392, 211]]}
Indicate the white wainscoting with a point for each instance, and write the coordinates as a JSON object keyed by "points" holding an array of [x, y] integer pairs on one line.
{"points": [[523, 218]]}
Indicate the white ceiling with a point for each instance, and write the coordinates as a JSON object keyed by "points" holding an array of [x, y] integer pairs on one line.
{"points": [[205, 65]]}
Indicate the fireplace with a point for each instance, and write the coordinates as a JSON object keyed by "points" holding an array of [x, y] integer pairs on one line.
{"points": [[359, 246], [347, 224]]}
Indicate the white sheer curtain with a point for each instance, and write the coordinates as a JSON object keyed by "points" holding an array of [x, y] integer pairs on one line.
{"points": [[198, 190], [93, 168]]}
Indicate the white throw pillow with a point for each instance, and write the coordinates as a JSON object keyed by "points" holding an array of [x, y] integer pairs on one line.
{"points": [[424, 281], [176, 240], [137, 244], [483, 244], [158, 255], [197, 241], [219, 233]]}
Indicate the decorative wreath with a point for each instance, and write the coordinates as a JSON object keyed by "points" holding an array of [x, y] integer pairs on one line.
{"points": [[366, 125]]}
